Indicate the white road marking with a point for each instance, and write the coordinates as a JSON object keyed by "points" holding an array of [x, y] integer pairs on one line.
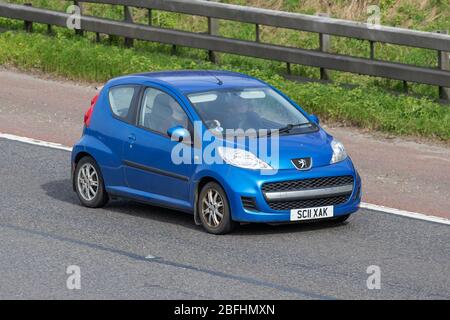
{"points": [[398, 212], [35, 142], [404, 213]]}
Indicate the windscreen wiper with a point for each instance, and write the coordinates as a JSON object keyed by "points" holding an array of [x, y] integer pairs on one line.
{"points": [[289, 127]]}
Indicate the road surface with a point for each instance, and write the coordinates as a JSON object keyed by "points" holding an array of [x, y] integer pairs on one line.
{"points": [[136, 251]]}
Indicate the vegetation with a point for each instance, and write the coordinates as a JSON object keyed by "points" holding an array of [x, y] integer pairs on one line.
{"points": [[371, 104]]}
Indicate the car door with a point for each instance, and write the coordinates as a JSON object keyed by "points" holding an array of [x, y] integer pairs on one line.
{"points": [[149, 167], [112, 129]]}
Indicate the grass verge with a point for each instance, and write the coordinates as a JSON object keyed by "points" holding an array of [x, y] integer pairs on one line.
{"points": [[425, 15], [78, 58]]}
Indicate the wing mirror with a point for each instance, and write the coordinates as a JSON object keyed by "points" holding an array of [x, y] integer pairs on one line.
{"points": [[179, 134], [314, 118]]}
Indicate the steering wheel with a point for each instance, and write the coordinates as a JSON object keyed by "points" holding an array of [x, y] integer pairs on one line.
{"points": [[214, 124]]}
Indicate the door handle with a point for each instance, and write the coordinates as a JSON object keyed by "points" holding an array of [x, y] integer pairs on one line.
{"points": [[132, 138]]}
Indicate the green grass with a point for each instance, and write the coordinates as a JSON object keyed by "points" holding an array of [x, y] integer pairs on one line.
{"points": [[365, 106], [428, 15]]}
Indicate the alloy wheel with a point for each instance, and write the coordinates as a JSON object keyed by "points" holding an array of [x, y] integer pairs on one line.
{"points": [[88, 182], [212, 208]]}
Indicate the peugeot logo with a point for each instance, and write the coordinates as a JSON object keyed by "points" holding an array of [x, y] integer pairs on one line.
{"points": [[302, 163]]}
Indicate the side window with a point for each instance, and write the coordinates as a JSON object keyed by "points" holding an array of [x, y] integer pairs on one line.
{"points": [[120, 99], [160, 112]]}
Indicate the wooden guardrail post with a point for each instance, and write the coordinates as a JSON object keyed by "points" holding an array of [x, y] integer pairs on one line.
{"points": [[405, 86], [372, 49], [97, 36], [257, 31], [213, 29], [128, 17], [28, 25], [288, 68], [174, 50], [324, 43], [444, 64], [150, 17]]}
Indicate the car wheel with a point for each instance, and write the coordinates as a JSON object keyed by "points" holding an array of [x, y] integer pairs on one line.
{"points": [[89, 183], [341, 219], [214, 209]]}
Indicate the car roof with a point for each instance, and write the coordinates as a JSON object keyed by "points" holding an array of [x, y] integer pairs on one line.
{"points": [[189, 81]]}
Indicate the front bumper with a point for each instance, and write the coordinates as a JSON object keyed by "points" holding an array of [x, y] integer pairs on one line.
{"points": [[247, 183]]}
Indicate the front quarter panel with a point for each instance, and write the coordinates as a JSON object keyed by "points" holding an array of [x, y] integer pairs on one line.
{"points": [[239, 182]]}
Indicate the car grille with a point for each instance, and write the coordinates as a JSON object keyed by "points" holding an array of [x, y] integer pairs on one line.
{"points": [[308, 184], [299, 204], [312, 183]]}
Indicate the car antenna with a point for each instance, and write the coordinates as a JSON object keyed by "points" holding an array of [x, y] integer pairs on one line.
{"points": [[219, 82]]}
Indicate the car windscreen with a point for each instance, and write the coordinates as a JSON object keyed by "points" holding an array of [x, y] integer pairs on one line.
{"points": [[249, 108]]}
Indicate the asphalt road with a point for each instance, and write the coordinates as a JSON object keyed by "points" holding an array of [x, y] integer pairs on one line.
{"points": [[43, 230]]}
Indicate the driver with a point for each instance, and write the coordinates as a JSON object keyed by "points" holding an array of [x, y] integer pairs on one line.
{"points": [[178, 117], [246, 118]]}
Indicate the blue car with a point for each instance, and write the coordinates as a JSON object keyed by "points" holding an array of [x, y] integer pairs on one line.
{"points": [[222, 146]]}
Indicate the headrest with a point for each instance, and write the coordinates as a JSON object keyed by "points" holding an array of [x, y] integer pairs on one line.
{"points": [[161, 105]]}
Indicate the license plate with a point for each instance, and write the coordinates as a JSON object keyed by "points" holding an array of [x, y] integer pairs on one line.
{"points": [[311, 213]]}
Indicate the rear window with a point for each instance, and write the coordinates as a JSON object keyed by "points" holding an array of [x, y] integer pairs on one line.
{"points": [[120, 99]]}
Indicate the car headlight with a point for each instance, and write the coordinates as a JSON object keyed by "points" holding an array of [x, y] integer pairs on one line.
{"points": [[241, 158], [339, 153]]}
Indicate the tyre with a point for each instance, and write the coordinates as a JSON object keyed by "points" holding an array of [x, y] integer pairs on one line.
{"points": [[214, 209], [341, 219], [89, 184]]}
